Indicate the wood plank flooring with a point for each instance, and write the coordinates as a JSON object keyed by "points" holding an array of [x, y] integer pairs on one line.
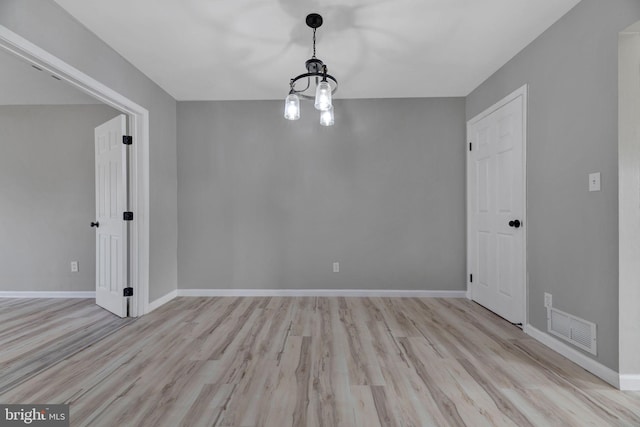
{"points": [[320, 362], [35, 334]]}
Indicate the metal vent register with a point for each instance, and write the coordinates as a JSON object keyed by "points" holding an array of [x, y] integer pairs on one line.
{"points": [[578, 332]]}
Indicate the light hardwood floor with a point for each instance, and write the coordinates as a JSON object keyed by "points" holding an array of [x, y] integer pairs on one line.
{"points": [[35, 334], [322, 362]]}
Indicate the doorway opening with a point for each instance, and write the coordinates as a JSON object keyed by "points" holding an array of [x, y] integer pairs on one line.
{"points": [[138, 118]]}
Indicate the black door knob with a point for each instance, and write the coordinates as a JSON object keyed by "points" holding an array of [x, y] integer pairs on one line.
{"points": [[515, 224], [95, 224]]}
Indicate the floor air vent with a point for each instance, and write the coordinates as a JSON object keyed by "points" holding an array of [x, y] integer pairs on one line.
{"points": [[578, 332]]}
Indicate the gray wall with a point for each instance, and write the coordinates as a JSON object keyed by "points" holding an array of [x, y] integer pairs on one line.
{"points": [[21, 84], [47, 196], [47, 25], [268, 203], [573, 129]]}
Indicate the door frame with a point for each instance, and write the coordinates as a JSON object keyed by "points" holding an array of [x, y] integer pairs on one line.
{"points": [[520, 92], [628, 212], [138, 122]]}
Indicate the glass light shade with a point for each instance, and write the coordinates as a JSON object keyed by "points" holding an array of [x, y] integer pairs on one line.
{"points": [[323, 96], [292, 107], [326, 117]]}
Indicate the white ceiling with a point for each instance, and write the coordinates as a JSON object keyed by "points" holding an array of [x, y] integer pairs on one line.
{"points": [[21, 84], [249, 49]]}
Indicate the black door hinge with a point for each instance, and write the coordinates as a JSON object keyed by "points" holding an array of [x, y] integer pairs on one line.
{"points": [[127, 216], [127, 292], [127, 139], [471, 278], [470, 146]]}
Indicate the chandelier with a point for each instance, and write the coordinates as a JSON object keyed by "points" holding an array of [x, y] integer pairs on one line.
{"points": [[324, 85]]}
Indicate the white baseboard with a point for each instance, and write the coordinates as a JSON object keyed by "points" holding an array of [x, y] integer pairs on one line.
{"points": [[318, 293], [37, 294], [162, 300], [596, 368], [629, 382]]}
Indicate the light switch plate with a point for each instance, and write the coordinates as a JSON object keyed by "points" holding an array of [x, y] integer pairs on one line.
{"points": [[594, 181]]}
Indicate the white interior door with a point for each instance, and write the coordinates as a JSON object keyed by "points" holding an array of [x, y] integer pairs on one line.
{"points": [[496, 208], [111, 203]]}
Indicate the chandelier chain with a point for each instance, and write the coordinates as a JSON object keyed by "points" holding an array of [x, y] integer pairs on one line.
{"points": [[314, 43]]}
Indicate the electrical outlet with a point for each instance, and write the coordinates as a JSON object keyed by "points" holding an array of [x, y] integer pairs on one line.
{"points": [[336, 267], [548, 300], [74, 266]]}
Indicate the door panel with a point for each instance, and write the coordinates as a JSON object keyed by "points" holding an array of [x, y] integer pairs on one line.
{"points": [[496, 197], [483, 251], [505, 264], [111, 202]]}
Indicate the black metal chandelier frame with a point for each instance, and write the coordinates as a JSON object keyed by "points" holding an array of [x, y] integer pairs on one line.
{"points": [[315, 67]]}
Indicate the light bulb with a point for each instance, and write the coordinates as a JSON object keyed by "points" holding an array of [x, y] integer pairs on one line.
{"points": [[323, 96], [326, 117], [292, 107]]}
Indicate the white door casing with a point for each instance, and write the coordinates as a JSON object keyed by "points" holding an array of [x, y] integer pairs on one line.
{"points": [[496, 198], [111, 203]]}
